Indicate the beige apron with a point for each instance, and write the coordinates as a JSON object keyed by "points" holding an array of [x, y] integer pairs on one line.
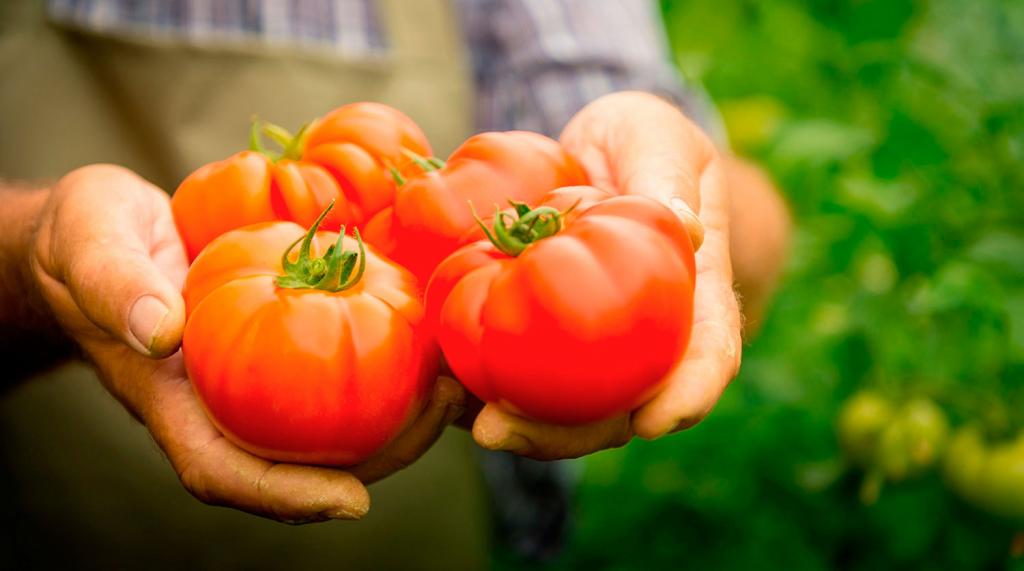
{"points": [[83, 484]]}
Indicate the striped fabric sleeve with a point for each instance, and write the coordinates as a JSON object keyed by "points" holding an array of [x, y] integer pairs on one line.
{"points": [[537, 62]]}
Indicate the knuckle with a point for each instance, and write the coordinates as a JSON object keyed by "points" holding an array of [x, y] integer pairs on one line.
{"points": [[194, 475], [87, 264], [195, 482], [87, 172], [448, 393], [267, 507]]}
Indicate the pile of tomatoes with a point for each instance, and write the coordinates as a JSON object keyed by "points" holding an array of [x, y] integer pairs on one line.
{"points": [[332, 279]]}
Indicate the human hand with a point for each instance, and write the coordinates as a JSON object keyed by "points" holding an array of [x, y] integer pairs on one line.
{"points": [[108, 260], [636, 143]]}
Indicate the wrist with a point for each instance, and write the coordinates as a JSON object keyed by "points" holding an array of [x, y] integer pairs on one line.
{"points": [[21, 304], [30, 338]]}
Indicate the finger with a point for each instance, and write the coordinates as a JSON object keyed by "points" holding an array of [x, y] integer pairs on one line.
{"points": [[106, 237], [669, 175], [713, 357], [219, 473], [496, 429], [640, 144], [695, 385], [446, 404]]}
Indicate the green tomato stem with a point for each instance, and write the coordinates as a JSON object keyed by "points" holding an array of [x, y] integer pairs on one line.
{"points": [[428, 164], [337, 270], [513, 234], [395, 174], [291, 145]]}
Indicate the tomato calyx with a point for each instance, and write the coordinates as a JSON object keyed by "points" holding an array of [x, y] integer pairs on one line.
{"points": [[428, 164], [511, 235], [291, 145], [336, 271]]}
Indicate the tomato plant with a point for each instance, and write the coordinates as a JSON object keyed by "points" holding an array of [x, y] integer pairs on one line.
{"points": [[987, 475], [347, 157], [432, 210], [568, 317], [890, 442], [898, 147], [319, 358]]}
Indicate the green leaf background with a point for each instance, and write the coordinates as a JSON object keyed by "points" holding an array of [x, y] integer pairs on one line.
{"points": [[896, 130]]}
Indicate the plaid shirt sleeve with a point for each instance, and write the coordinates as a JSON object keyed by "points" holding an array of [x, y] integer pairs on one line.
{"points": [[537, 62], [349, 27]]}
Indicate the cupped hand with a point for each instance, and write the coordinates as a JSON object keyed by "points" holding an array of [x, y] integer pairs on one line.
{"points": [[637, 143], [110, 264]]}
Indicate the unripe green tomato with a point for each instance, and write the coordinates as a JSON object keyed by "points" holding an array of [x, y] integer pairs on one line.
{"points": [[861, 421], [964, 461], [913, 440], [989, 476], [1001, 488], [894, 447], [927, 431]]}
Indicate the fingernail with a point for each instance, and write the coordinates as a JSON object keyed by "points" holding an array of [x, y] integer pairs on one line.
{"points": [[355, 507], [144, 320], [355, 512], [694, 227], [680, 206]]}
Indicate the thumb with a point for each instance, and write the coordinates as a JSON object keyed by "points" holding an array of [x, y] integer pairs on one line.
{"points": [[122, 292], [110, 240], [668, 167], [640, 144], [669, 190]]}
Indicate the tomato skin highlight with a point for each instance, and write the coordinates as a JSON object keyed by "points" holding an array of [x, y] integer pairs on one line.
{"points": [[347, 158], [304, 375], [432, 212], [581, 326]]}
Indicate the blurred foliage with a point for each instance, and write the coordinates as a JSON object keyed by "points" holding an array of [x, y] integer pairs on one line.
{"points": [[896, 129]]}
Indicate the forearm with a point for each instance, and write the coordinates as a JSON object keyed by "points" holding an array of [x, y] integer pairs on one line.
{"points": [[30, 338]]}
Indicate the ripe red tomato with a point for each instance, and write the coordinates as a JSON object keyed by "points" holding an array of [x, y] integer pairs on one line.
{"points": [[433, 210], [568, 319], [323, 362], [346, 157]]}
